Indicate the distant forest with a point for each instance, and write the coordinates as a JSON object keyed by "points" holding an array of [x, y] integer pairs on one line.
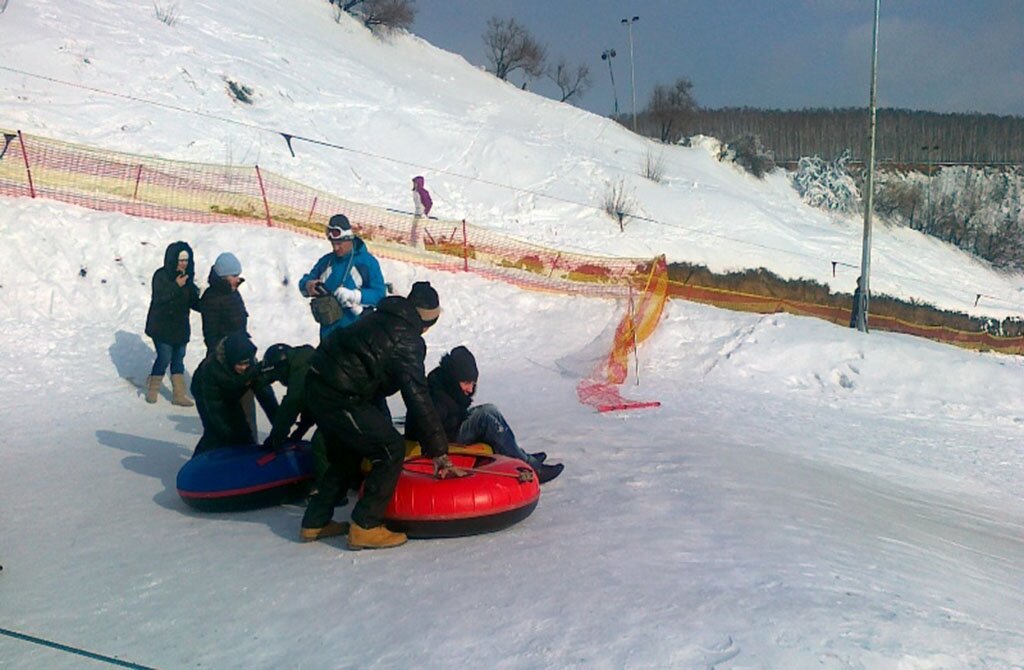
{"points": [[903, 136]]}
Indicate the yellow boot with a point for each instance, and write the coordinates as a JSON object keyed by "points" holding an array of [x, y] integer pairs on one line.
{"points": [[378, 537], [153, 388], [332, 529], [178, 386]]}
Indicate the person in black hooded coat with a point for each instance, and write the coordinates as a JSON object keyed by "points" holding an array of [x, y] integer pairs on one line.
{"points": [[174, 294], [219, 385], [351, 374], [452, 386]]}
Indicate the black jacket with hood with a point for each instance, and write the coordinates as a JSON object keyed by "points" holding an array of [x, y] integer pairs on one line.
{"points": [[218, 391], [450, 403], [381, 354], [168, 317]]}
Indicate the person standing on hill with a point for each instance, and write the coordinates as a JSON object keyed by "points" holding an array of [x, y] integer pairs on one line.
{"points": [[222, 306], [351, 375], [452, 385], [421, 206], [421, 201], [174, 295], [858, 310], [224, 314], [344, 282]]}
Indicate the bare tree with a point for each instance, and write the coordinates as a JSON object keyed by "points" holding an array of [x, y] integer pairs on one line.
{"points": [[510, 47], [572, 83], [386, 15], [670, 107]]}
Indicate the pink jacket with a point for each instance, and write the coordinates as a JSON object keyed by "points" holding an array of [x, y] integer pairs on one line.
{"points": [[421, 197]]}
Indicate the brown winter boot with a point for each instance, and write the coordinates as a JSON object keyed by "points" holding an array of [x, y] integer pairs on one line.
{"points": [[179, 396], [332, 529], [153, 388], [378, 537]]}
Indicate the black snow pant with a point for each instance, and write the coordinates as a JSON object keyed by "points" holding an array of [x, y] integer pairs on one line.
{"points": [[353, 429]]}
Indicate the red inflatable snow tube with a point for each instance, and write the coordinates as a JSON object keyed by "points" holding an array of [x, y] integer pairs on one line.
{"points": [[498, 492]]}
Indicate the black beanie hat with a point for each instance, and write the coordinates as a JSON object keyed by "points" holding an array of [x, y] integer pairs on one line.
{"points": [[424, 299], [460, 364], [238, 348]]}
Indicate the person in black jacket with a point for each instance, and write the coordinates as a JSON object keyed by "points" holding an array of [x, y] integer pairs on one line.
{"points": [[174, 295], [351, 374], [289, 366], [452, 385], [219, 383], [222, 306]]}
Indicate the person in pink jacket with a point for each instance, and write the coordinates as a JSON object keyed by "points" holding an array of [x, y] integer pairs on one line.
{"points": [[421, 201]]}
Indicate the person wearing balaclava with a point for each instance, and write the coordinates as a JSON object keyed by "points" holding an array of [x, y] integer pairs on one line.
{"points": [[220, 384], [352, 372], [452, 386], [174, 295]]}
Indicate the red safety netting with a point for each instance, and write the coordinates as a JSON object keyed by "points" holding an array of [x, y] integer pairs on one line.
{"points": [[157, 188]]}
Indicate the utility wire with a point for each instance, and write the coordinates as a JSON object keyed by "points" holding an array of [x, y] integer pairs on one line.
{"points": [[289, 137]]}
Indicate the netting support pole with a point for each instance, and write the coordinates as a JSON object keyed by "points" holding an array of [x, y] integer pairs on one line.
{"points": [[263, 192], [312, 209], [632, 327], [28, 170], [138, 178], [465, 248]]}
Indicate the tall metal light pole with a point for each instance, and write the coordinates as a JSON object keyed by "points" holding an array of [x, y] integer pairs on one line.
{"points": [[632, 68], [869, 201], [608, 55]]}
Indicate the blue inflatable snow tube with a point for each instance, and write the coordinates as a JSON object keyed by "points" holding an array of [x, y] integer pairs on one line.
{"points": [[246, 477]]}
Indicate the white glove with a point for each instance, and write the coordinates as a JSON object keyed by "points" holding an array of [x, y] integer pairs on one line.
{"points": [[348, 296]]}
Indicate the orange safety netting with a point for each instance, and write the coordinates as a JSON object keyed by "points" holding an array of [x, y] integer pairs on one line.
{"points": [[601, 388], [749, 302], [157, 188]]}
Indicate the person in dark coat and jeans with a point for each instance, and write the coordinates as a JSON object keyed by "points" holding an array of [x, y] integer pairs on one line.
{"points": [[174, 295], [351, 374], [219, 384], [452, 385]]}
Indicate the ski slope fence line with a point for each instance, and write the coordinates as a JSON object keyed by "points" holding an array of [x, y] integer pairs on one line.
{"points": [[748, 302], [157, 188]]}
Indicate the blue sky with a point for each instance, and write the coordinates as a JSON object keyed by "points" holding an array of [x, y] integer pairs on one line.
{"points": [[940, 55]]}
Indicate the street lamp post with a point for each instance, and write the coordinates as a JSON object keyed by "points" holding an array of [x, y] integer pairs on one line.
{"points": [[632, 68], [608, 55], [869, 187]]}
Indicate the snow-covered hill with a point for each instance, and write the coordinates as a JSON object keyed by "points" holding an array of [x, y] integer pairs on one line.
{"points": [[501, 157]]}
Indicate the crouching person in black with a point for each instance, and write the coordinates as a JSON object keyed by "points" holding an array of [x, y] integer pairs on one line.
{"points": [[226, 374], [352, 372], [452, 385]]}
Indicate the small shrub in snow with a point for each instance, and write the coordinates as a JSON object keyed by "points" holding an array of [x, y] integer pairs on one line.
{"points": [[826, 185], [653, 167], [619, 204], [748, 152], [168, 15], [240, 92]]}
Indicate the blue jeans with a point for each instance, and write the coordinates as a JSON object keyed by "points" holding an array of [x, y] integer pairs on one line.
{"points": [[486, 424], [173, 354]]}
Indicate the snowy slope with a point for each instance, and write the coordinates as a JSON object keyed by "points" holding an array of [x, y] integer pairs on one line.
{"points": [[501, 157], [806, 496]]}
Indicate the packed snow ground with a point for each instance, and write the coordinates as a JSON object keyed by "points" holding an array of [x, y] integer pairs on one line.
{"points": [[806, 496]]}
